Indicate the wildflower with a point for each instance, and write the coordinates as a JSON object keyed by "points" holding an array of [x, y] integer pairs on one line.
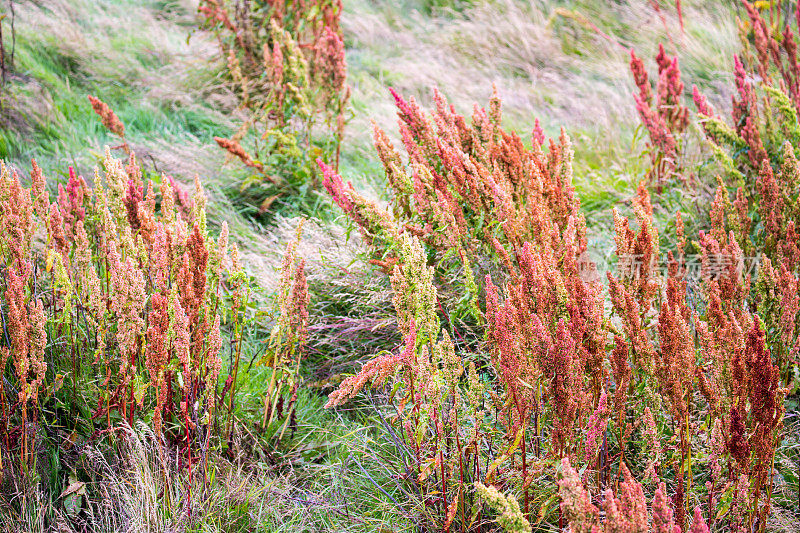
{"points": [[739, 505], [372, 222], [159, 259], [670, 91], [717, 449], [234, 148], [790, 305], [16, 219], [414, 294], [38, 342], [764, 43], [55, 230], [766, 395], [565, 385], [214, 11], [116, 182], [660, 135], [330, 67], [653, 444], [156, 353], [747, 97], [180, 327], [576, 505], [71, 201], [538, 134], [676, 365], [641, 79], [127, 303], [5, 353], [19, 329], [628, 512], [375, 371], [41, 198], [621, 372], [219, 256], [511, 518], [680, 233], [275, 62], [771, 199], [299, 304], [197, 254], [701, 102], [182, 197], [134, 193], [110, 120], [167, 201], [698, 523], [662, 512], [596, 427], [666, 117]]}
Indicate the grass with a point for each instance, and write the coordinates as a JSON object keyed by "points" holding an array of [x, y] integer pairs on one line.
{"points": [[161, 78], [320, 479], [66, 51]]}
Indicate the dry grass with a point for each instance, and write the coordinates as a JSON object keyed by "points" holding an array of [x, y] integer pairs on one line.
{"points": [[351, 311], [544, 63], [139, 488], [323, 247], [165, 55]]}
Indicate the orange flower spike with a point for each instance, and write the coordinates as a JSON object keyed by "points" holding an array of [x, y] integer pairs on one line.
{"points": [[109, 119]]}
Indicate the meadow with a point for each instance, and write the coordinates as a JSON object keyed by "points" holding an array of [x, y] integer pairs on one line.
{"points": [[423, 265]]}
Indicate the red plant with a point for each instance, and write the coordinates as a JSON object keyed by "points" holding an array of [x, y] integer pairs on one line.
{"points": [[472, 190], [667, 117], [106, 296], [286, 62], [110, 121]]}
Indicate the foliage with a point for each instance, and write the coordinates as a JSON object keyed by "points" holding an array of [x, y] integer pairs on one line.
{"points": [[525, 389], [287, 69], [564, 379], [757, 194], [125, 293]]}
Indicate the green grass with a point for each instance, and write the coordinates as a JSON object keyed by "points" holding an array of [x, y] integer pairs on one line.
{"points": [[322, 476], [116, 62]]}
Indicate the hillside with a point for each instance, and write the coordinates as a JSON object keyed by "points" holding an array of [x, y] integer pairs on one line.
{"points": [[563, 63]]}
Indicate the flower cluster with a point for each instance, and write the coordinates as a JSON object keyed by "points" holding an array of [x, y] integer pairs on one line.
{"points": [[288, 71], [755, 205], [666, 117], [110, 120], [472, 193], [561, 378], [719, 352], [625, 511], [102, 282]]}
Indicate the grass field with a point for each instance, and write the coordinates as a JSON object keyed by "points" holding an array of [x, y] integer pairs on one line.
{"points": [[563, 62]]}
